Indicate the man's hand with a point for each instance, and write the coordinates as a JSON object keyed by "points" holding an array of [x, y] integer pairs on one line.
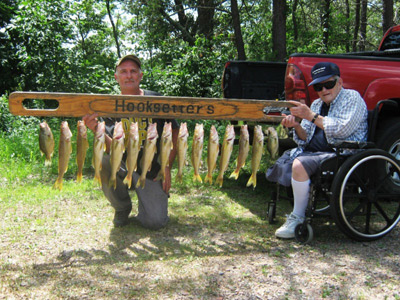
{"points": [[301, 110], [91, 121], [166, 184]]}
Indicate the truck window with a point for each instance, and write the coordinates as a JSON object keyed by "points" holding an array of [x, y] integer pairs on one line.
{"points": [[392, 41]]}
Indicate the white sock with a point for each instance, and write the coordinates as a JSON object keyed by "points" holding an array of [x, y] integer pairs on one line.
{"points": [[300, 195]]}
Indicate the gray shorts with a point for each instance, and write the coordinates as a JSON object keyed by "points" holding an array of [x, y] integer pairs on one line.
{"points": [[153, 201], [281, 171]]}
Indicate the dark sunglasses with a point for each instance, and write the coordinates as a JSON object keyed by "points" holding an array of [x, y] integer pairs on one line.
{"points": [[328, 85]]}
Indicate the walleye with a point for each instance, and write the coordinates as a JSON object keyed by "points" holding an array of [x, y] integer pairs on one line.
{"points": [[81, 148], [132, 150], [64, 153], [46, 142], [165, 150], [150, 148], [257, 152], [117, 150], [98, 150], [212, 155], [227, 146], [197, 149], [273, 142], [181, 146], [244, 147]]}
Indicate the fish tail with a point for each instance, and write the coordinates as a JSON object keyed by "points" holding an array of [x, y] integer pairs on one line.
{"points": [[160, 175], [141, 182], [47, 162], [208, 178], [178, 177], [79, 176], [59, 183], [235, 174], [97, 178], [196, 177], [112, 183], [219, 181], [128, 180], [252, 181]]}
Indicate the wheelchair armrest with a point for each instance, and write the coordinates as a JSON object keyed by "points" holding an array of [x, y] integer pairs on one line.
{"points": [[353, 145]]}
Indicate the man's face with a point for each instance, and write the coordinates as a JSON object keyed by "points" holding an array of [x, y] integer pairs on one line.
{"points": [[328, 95], [128, 75]]}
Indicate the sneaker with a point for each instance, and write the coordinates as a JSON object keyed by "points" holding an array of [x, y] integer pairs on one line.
{"points": [[121, 217], [286, 231]]}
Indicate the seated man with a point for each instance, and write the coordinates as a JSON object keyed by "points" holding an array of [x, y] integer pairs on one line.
{"points": [[338, 115]]}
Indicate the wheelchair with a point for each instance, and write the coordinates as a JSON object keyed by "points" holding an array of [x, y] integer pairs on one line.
{"points": [[360, 192]]}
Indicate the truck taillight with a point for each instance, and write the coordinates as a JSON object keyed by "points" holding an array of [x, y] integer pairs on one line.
{"points": [[295, 85]]}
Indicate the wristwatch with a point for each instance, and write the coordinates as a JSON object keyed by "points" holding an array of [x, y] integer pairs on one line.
{"points": [[315, 117]]}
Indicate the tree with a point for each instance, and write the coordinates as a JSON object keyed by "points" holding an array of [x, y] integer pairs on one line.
{"points": [[237, 30], [387, 15], [279, 29]]}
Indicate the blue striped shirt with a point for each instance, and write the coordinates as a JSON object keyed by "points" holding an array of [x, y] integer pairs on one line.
{"points": [[347, 120]]}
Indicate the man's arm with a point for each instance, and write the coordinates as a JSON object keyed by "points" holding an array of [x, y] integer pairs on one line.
{"points": [[91, 122]]}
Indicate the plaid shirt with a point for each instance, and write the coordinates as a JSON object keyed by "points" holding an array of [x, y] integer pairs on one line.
{"points": [[347, 120]]}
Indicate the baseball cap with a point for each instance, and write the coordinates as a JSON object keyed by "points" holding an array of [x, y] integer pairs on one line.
{"points": [[129, 57], [322, 71]]}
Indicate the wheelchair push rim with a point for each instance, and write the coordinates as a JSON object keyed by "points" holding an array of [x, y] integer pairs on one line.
{"points": [[362, 207]]}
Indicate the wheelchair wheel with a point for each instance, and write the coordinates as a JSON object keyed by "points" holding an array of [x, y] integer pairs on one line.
{"points": [[304, 233], [361, 205]]}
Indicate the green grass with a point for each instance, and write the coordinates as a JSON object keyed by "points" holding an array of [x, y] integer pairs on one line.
{"points": [[218, 243]]}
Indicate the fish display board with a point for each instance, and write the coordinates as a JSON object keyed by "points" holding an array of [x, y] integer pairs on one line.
{"points": [[166, 107]]}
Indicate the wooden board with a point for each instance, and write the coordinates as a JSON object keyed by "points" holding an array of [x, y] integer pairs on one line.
{"points": [[167, 107]]}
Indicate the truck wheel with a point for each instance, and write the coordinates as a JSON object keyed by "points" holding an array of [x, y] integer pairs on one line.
{"points": [[388, 139]]}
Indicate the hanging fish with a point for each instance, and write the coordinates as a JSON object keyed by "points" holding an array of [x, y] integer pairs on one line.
{"points": [[244, 147], [227, 146], [212, 154], [181, 146], [132, 152], [46, 142], [257, 152], [197, 149], [64, 153]]}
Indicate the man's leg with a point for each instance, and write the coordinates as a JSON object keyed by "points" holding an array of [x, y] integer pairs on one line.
{"points": [[301, 187], [153, 204], [119, 198]]}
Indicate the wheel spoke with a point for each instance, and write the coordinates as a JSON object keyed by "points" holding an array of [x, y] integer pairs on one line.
{"points": [[368, 218], [382, 212]]}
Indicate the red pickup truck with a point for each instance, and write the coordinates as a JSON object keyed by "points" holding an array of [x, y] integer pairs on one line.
{"points": [[375, 75]]}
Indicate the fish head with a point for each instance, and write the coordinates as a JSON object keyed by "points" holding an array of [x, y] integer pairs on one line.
{"points": [[82, 130], [100, 129], [214, 135], [118, 131], [152, 133], [229, 133], [167, 130], [183, 131], [258, 134], [244, 132], [65, 131], [198, 132], [45, 129], [134, 130]]}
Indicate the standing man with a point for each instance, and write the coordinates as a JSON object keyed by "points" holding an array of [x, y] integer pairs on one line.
{"points": [[338, 115], [153, 198]]}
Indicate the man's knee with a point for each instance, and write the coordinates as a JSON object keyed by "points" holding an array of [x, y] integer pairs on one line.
{"points": [[298, 171], [154, 223]]}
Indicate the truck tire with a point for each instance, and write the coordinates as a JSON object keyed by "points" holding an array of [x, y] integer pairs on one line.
{"points": [[388, 139]]}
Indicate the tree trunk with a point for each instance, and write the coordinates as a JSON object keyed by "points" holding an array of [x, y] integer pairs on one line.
{"points": [[115, 33], [238, 32], [363, 26], [279, 29], [387, 15], [325, 25], [356, 25], [348, 34], [205, 19], [294, 21]]}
